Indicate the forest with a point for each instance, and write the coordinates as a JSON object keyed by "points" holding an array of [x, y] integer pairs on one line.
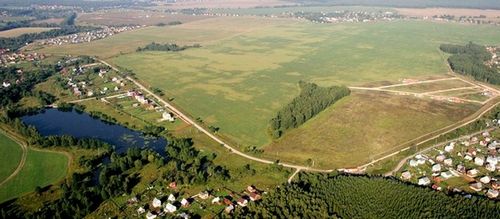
{"points": [[312, 100], [469, 60], [354, 196], [169, 47]]}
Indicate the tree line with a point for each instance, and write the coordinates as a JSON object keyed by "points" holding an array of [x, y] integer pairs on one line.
{"points": [[169, 47], [312, 100], [469, 60], [351, 196]]}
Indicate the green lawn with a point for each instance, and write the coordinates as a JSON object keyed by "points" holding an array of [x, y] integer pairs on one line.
{"points": [[40, 169], [11, 154]]}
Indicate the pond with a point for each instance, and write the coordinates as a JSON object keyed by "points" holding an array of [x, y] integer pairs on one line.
{"points": [[82, 125]]}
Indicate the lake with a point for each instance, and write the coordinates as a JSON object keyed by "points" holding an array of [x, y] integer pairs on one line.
{"points": [[82, 125]]}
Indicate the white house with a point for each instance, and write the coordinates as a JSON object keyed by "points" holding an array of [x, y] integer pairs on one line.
{"points": [[170, 208], [490, 167], [448, 162], [204, 195], [492, 193], [472, 172], [168, 116], [242, 202], [150, 215], [485, 179], [449, 148], [141, 210], [6, 84], [229, 209], [406, 175], [440, 158], [423, 181], [183, 215], [446, 174], [156, 203], [171, 198], [413, 163], [420, 161], [492, 159], [436, 168], [477, 186], [216, 200], [184, 202], [479, 161]]}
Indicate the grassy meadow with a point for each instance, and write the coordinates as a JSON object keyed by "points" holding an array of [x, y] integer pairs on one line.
{"points": [[248, 68], [41, 169], [23, 30], [11, 155]]}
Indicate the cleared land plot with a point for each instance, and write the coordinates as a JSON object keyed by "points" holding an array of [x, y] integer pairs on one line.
{"points": [[457, 12], [362, 126], [41, 169], [137, 17], [49, 21], [11, 154], [226, 4], [432, 86], [23, 30], [248, 68]]}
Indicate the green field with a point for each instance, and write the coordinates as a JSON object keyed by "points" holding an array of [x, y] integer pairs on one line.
{"points": [[41, 169], [23, 30], [11, 154], [245, 72]]}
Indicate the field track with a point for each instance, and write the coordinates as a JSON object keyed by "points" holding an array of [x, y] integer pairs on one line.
{"points": [[24, 148]]}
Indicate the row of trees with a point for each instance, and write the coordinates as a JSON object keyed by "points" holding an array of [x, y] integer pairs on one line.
{"points": [[172, 47], [311, 101], [470, 60], [347, 196]]}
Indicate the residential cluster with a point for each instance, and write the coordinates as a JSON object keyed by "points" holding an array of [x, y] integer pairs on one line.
{"points": [[150, 104], [481, 19], [171, 203], [495, 56], [86, 36], [12, 58], [82, 86], [345, 16], [474, 161]]}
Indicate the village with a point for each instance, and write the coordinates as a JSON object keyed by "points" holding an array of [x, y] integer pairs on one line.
{"points": [[495, 57], [160, 201], [12, 58], [87, 36], [468, 165]]}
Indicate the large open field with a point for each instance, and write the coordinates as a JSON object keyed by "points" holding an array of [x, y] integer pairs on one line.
{"points": [[137, 17], [245, 72], [23, 30], [10, 153], [41, 169]]}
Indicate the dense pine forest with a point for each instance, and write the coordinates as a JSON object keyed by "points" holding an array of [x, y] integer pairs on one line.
{"points": [[348, 196], [311, 101], [469, 60]]}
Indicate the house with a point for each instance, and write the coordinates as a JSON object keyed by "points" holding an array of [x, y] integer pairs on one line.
{"points": [[495, 185], [413, 163], [446, 175], [485, 179], [150, 215], [449, 148], [183, 215], [461, 168], [141, 210], [492, 159], [116, 88], [448, 162], [90, 93], [227, 201], [468, 157], [420, 161], [483, 143], [251, 189], [477, 186], [254, 196], [440, 158], [479, 161], [6, 84], [472, 173], [184, 202], [204, 195], [114, 79], [216, 200], [242, 202], [406, 175], [471, 151], [492, 193], [156, 203], [490, 167], [170, 208], [173, 185], [486, 134], [423, 181], [436, 168], [168, 116], [171, 198], [229, 209]]}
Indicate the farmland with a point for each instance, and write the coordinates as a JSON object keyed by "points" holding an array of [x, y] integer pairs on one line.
{"points": [[22, 30], [11, 155], [245, 72], [137, 17], [41, 169]]}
